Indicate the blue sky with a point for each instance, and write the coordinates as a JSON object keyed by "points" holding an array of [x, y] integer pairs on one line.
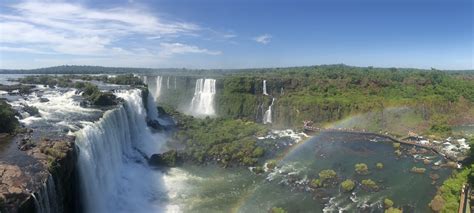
{"points": [[237, 33]]}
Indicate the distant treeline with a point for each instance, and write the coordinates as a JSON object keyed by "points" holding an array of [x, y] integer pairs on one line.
{"points": [[74, 69]]}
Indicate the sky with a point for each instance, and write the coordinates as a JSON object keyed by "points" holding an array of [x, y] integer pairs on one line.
{"points": [[237, 33]]}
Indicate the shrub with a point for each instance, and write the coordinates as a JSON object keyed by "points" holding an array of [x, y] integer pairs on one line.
{"points": [[348, 185], [327, 174], [316, 183], [370, 184], [379, 165], [393, 210], [8, 121], [277, 210], [396, 145], [361, 168], [387, 203]]}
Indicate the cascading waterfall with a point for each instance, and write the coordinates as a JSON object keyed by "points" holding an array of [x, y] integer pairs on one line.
{"points": [[265, 87], [113, 171], [267, 117], [45, 199], [145, 80], [202, 103], [152, 112], [175, 82], [157, 87]]}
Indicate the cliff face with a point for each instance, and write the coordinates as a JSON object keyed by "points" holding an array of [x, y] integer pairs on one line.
{"points": [[43, 179]]}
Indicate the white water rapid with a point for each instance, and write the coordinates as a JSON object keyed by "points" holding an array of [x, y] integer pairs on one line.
{"points": [[202, 103], [114, 174], [267, 117]]}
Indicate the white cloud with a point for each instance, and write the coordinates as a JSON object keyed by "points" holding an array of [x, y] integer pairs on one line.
{"points": [[263, 39], [169, 49], [56, 27]]}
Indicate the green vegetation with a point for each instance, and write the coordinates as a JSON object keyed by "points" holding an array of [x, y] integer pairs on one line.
{"points": [[224, 140], [327, 174], [379, 165], [348, 185], [316, 183], [370, 184], [361, 169], [96, 97], [277, 210], [447, 196], [168, 159], [393, 210], [387, 203], [271, 164], [8, 122], [396, 145]]}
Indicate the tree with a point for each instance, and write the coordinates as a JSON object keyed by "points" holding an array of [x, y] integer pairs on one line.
{"points": [[379, 165], [348, 185], [393, 210], [387, 203], [327, 174], [8, 122], [361, 168]]}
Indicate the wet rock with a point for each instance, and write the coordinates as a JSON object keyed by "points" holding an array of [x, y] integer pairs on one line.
{"points": [[155, 125], [167, 159], [44, 100]]}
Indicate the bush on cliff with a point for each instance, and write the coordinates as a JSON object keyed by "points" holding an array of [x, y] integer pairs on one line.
{"points": [[8, 122], [167, 159]]}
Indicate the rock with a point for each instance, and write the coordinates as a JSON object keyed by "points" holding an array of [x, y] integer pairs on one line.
{"points": [[167, 159], [44, 100], [155, 125], [105, 99]]}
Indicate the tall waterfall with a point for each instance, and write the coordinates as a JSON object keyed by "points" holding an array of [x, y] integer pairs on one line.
{"points": [[158, 87], [265, 87], [202, 103], [175, 82], [113, 171], [45, 199], [267, 117]]}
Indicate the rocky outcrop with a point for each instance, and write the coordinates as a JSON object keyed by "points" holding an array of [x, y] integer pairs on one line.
{"points": [[49, 172], [167, 159]]}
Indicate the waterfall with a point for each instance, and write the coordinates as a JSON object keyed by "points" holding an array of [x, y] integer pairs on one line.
{"points": [[112, 168], [152, 112], [265, 87], [45, 199], [157, 88], [168, 83], [175, 82], [202, 103], [267, 117], [145, 79]]}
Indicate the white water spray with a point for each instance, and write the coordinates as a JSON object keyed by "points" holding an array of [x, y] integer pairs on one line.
{"points": [[202, 103], [265, 87], [267, 117], [157, 88]]}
